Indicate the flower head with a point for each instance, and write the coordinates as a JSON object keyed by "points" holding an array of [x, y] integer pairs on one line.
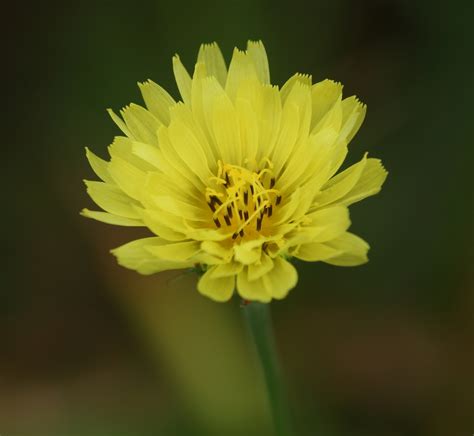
{"points": [[237, 178]]}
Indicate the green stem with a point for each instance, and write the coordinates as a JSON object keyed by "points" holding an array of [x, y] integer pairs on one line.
{"points": [[259, 323]]}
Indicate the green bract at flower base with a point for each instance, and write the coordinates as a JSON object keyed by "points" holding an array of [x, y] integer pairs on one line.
{"points": [[238, 177]]}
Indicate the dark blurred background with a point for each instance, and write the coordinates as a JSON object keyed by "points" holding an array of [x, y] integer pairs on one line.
{"points": [[89, 348]]}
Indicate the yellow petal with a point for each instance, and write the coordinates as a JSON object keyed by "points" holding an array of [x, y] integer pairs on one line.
{"points": [[183, 80], [288, 208], [99, 166], [109, 218], [111, 198], [226, 270], [124, 148], [353, 114], [241, 69], [183, 209], [209, 234], [135, 255], [340, 185], [300, 167], [200, 113], [333, 221], [189, 150], [186, 117], [354, 250], [315, 251], [174, 166], [252, 290], [324, 95], [269, 119], [289, 129], [217, 249], [281, 279], [227, 130], [211, 91], [129, 178], [164, 224], [332, 119], [248, 129], [370, 182], [300, 96], [310, 163], [141, 123], [175, 251], [257, 270], [219, 289], [258, 55], [248, 252], [147, 152], [298, 78], [211, 56], [157, 100], [159, 184], [120, 124]]}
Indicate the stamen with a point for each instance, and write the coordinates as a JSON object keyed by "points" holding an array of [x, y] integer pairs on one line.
{"points": [[247, 190], [266, 192], [264, 171], [218, 180], [267, 161], [257, 212]]}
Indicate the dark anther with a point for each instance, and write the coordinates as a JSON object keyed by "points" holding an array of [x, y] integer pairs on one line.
{"points": [[270, 211], [229, 211], [278, 200], [217, 222], [227, 220], [246, 215], [259, 223], [272, 182], [241, 215], [241, 233], [215, 199], [251, 189], [227, 181], [234, 236], [211, 205], [246, 197]]}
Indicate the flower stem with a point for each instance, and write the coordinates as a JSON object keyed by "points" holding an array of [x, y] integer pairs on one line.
{"points": [[259, 324]]}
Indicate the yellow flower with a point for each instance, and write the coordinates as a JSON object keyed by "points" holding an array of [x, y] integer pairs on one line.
{"points": [[237, 178]]}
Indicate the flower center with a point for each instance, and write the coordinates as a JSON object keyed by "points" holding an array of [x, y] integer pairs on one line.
{"points": [[241, 198]]}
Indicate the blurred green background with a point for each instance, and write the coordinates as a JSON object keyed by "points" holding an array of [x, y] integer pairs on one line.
{"points": [[88, 348]]}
